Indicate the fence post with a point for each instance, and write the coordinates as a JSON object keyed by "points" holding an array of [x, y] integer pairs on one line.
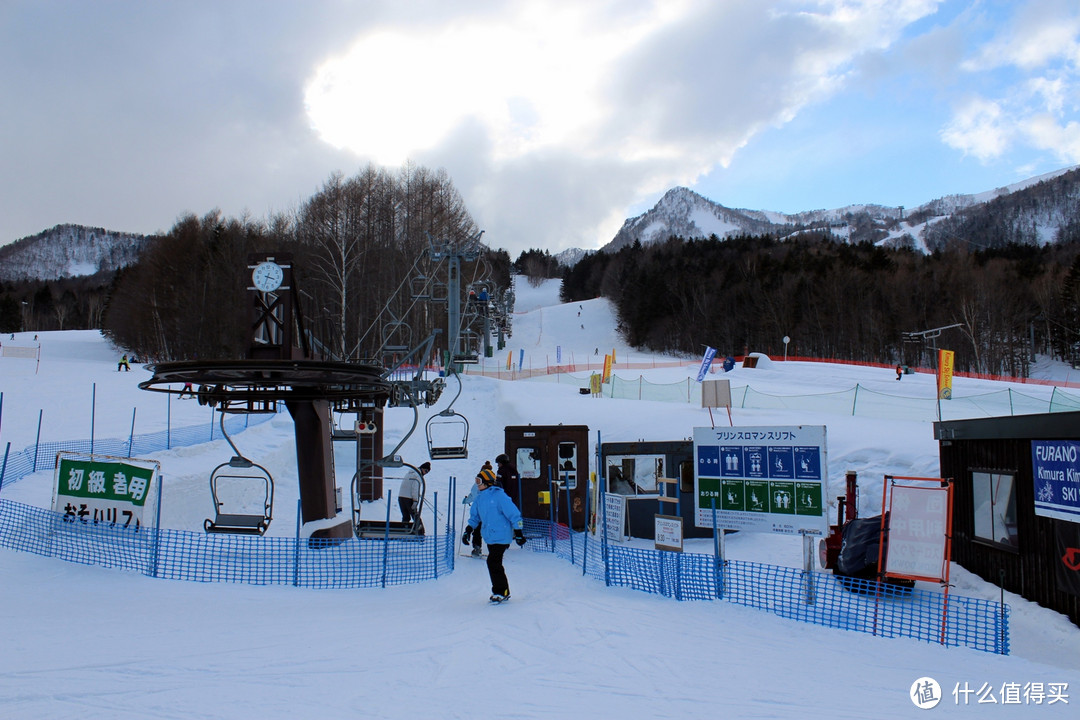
{"points": [[585, 542], [131, 436], [386, 536], [716, 553], [3, 468], [93, 408], [37, 440], [168, 421], [157, 525], [855, 400], [296, 548], [435, 537], [604, 541]]}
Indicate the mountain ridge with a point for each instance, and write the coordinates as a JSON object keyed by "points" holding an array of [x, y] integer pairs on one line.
{"points": [[684, 213], [67, 251]]}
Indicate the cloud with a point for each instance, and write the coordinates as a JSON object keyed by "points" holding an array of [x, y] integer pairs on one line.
{"points": [[978, 128], [1032, 70], [580, 109]]}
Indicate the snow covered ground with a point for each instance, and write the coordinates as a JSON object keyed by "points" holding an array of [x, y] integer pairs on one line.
{"points": [[88, 642]]}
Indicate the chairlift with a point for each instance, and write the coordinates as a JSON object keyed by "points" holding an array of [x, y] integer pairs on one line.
{"points": [[239, 474], [388, 529], [448, 432]]}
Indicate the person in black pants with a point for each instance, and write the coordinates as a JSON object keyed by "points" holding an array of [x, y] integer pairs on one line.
{"points": [[500, 521]]}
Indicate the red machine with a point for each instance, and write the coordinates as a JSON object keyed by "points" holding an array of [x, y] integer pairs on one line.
{"points": [[846, 511]]}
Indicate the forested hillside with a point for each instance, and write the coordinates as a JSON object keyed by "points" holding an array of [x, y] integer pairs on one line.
{"points": [[839, 300]]}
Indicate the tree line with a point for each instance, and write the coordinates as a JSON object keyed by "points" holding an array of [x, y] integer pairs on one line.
{"points": [[838, 300], [358, 251]]}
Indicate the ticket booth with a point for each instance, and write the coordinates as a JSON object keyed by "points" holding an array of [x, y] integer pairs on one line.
{"points": [[553, 461], [635, 469]]}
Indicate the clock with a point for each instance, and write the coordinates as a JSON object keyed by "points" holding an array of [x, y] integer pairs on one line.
{"points": [[267, 276]]}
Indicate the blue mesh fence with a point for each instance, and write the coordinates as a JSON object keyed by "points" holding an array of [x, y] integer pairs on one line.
{"points": [[819, 598], [816, 597], [183, 555]]}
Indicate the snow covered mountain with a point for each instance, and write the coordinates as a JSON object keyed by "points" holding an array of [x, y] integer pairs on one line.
{"points": [[69, 251], [1038, 210]]}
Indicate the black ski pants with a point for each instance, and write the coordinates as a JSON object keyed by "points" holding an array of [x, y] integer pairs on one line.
{"points": [[499, 585]]}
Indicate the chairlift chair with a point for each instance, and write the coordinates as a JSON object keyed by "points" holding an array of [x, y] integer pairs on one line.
{"points": [[239, 472], [443, 430], [387, 529]]}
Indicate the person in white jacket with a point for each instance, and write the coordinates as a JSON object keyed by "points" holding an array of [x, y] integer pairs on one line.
{"points": [[410, 492]]}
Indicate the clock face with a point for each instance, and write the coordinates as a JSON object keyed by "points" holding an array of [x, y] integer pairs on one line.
{"points": [[267, 276]]}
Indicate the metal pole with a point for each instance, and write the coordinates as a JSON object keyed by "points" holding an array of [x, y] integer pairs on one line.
{"points": [[386, 536], [37, 440], [93, 407], [157, 525], [435, 534], [296, 548], [131, 436], [3, 468]]}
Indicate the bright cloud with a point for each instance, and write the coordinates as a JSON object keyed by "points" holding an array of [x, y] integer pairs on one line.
{"points": [[1040, 51], [613, 104], [978, 128]]}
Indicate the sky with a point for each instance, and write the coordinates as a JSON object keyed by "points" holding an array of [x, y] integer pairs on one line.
{"points": [[555, 121], [88, 642]]}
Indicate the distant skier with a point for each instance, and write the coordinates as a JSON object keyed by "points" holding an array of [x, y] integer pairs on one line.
{"points": [[123, 365], [899, 371]]}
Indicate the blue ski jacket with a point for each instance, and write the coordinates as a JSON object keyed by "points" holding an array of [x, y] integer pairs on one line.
{"points": [[497, 516]]}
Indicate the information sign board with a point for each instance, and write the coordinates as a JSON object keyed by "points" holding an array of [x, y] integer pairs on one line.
{"points": [[762, 479]]}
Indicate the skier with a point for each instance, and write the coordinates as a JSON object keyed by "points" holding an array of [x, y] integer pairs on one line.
{"points": [[899, 372], [477, 541], [123, 365], [500, 520]]}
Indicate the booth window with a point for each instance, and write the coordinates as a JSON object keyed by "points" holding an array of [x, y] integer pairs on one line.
{"points": [[994, 500], [528, 462], [634, 474]]}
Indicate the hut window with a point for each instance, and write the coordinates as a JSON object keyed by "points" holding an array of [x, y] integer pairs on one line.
{"points": [[528, 462], [995, 507], [634, 474]]}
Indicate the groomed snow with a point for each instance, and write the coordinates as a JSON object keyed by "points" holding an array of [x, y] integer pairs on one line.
{"points": [[88, 642]]}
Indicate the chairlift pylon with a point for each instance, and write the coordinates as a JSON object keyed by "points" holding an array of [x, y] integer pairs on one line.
{"points": [[240, 472]]}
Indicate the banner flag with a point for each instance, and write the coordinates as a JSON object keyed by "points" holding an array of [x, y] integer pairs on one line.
{"points": [[607, 369], [706, 362], [944, 374]]}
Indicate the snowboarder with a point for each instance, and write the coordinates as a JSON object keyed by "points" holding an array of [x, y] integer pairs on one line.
{"points": [[123, 365], [500, 520], [899, 371]]}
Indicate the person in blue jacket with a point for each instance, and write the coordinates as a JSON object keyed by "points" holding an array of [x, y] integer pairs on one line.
{"points": [[500, 522]]}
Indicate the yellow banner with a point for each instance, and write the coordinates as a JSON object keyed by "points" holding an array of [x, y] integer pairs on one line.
{"points": [[607, 368], [613, 356], [509, 355], [944, 374]]}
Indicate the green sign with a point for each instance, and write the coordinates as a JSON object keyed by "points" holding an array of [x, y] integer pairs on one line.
{"points": [[101, 491], [111, 481]]}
